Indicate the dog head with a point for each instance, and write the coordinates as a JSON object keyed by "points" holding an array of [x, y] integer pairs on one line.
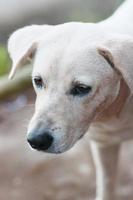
{"points": [[74, 75]]}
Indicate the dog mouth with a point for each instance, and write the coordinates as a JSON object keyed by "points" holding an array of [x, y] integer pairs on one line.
{"points": [[59, 149]]}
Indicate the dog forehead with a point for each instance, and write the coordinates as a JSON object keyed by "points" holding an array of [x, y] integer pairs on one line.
{"points": [[64, 57], [48, 57]]}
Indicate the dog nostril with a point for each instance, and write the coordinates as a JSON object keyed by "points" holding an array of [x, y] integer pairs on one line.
{"points": [[40, 141]]}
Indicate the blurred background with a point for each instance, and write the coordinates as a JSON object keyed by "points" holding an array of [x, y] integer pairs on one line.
{"points": [[30, 175]]}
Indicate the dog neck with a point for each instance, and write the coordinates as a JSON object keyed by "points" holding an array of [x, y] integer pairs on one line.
{"points": [[115, 108]]}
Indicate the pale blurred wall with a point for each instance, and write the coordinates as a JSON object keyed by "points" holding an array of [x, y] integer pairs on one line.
{"points": [[17, 13]]}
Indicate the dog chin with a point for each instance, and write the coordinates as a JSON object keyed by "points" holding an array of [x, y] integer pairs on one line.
{"points": [[57, 150]]}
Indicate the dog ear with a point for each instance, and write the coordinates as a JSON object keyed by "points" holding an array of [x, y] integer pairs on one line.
{"points": [[23, 43], [118, 52]]}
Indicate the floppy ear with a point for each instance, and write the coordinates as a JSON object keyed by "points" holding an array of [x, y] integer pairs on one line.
{"points": [[118, 52], [22, 44]]}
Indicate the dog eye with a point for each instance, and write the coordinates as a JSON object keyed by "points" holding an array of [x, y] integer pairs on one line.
{"points": [[38, 82], [80, 90]]}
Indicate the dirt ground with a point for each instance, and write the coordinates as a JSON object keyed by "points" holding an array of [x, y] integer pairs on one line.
{"points": [[29, 175]]}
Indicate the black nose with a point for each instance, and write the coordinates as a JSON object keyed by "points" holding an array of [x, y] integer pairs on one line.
{"points": [[40, 141]]}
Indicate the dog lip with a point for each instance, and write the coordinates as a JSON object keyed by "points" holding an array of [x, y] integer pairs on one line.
{"points": [[80, 137], [49, 151]]}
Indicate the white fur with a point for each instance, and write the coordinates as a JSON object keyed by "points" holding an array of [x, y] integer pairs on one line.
{"points": [[72, 52]]}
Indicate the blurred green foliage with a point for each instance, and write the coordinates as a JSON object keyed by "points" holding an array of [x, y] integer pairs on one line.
{"points": [[4, 61]]}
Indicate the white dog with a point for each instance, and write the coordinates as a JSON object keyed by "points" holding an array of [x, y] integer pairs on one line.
{"points": [[83, 78]]}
